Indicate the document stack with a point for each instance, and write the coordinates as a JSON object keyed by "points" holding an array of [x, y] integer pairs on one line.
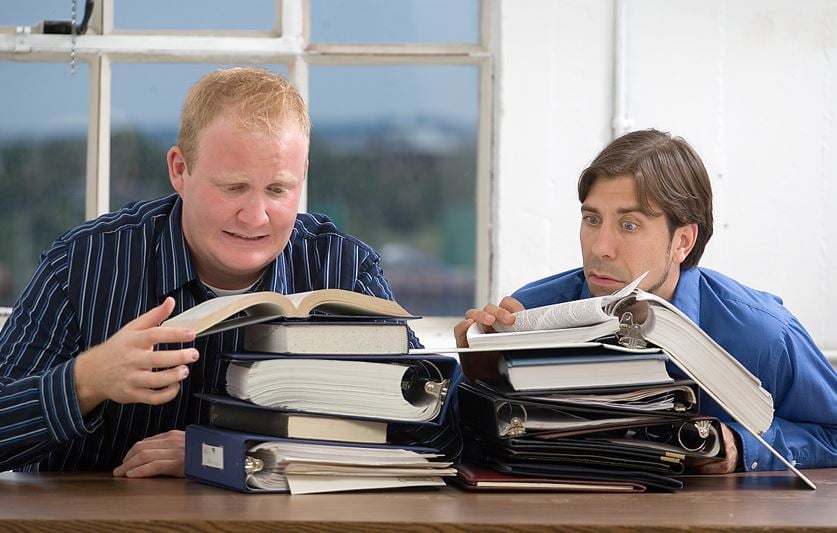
{"points": [[604, 435], [322, 397], [582, 394]]}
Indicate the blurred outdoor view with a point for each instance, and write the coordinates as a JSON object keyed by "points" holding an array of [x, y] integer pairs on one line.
{"points": [[393, 155]]}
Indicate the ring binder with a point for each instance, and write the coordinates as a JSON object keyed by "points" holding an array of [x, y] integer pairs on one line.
{"points": [[252, 465], [630, 334]]}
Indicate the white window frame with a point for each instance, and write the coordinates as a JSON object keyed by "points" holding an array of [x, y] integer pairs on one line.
{"points": [[102, 46]]}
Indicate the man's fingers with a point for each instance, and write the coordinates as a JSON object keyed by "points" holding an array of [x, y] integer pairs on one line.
{"points": [[170, 358], [153, 396], [154, 316], [459, 332], [164, 335], [498, 313], [160, 379], [163, 467], [161, 454], [511, 305]]}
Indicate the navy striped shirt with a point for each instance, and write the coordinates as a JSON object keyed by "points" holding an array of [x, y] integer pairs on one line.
{"points": [[100, 276]]}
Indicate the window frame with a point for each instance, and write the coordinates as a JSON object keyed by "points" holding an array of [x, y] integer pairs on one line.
{"points": [[104, 45]]}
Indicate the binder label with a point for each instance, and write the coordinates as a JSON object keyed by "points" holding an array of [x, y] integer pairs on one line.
{"points": [[212, 456]]}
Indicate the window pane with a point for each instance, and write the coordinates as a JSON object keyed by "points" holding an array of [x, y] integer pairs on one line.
{"points": [[43, 147], [31, 13], [146, 102], [393, 161], [395, 21], [194, 15]]}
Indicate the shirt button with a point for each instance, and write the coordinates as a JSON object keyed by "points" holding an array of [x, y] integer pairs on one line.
{"points": [[793, 462], [754, 465]]}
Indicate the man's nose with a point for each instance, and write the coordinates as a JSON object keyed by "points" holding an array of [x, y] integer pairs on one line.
{"points": [[254, 210], [605, 243]]}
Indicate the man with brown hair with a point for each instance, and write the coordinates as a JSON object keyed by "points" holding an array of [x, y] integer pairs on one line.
{"points": [[646, 205], [88, 378]]}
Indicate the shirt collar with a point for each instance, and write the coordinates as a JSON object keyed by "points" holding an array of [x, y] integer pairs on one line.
{"points": [[687, 294], [585, 290], [174, 262], [274, 278]]}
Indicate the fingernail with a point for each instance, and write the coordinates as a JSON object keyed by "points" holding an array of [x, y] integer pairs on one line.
{"points": [[195, 355], [185, 372]]}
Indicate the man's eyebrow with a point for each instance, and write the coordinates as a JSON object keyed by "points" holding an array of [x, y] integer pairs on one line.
{"points": [[621, 210]]}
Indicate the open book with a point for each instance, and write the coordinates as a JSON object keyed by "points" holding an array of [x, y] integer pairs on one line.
{"points": [[636, 317], [213, 316]]}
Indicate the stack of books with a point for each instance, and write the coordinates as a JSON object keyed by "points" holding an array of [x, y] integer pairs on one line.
{"points": [[614, 421], [323, 397], [582, 398]]}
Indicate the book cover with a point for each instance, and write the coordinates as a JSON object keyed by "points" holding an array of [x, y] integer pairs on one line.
{"points": [[256, 463], [246, 417], [474, 477], [580, 369]]}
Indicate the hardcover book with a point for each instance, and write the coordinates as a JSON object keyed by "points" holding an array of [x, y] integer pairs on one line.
{"points": [[213, 316]]}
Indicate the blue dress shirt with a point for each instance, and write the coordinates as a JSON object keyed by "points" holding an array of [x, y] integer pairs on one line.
{"points": [[100, 276], [767, 339]]}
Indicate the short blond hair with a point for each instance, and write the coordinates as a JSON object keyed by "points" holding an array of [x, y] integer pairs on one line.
{"points": [[261, 100]]}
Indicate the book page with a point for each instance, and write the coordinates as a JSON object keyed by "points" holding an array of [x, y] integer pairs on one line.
{"points": [[211, 312], [558, 316]]}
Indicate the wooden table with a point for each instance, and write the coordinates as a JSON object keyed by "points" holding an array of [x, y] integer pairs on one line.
{"points": [[97, 501]]}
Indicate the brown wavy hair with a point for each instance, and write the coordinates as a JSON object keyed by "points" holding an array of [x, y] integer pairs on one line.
{"points": [[668, 172]]}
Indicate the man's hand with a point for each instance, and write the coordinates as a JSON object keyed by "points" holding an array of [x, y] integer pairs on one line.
{"points": [[715, 466], [122, 368], [160, 455], [483, 365], [486, 317]]}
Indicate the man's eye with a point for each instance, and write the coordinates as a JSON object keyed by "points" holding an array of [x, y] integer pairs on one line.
{"points": [[277, 190], [591, 219], [234, 188], [630, 226]]}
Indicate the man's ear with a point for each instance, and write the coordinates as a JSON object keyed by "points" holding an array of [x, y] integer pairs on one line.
{"points": [[683, 241], [177, 167]]}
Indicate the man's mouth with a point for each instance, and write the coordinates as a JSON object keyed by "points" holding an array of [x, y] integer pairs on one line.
{"points": [[603, 277], [245, 237]]}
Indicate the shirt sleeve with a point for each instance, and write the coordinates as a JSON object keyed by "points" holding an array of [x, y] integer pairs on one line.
{"points": [[371, 280], [804, 388], [39, 410]]}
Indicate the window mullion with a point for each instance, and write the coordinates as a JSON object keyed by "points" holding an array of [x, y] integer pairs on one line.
{"points": [[97, 198]]}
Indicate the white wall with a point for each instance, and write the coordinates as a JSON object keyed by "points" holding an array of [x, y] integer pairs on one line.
{"points": [[751, 84]]}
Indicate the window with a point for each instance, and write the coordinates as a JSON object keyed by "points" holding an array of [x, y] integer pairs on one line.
{"points": [[399, 94]]}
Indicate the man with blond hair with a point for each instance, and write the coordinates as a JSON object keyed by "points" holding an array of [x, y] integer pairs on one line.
{"points": [[81, 384]]}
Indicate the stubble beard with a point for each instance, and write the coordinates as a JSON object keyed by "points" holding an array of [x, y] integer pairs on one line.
{"points": [[664, 277]]}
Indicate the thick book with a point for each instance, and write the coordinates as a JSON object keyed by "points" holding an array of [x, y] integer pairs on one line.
{"points": [[400, 389], [243, 416], [634, 318], [213, 316], [475, 477], [581, 368], [257, 463], [328, 337]]}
